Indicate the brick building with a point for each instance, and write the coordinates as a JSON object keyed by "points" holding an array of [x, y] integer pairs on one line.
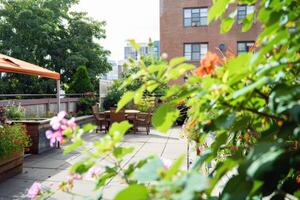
{"points": [[184, 30]]}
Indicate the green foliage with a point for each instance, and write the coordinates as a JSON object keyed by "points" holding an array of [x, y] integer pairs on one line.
{"points": [[50, 34], [245, 115], [81, 82], [15, 112], [146, 104], [13, 139], [120, 93], [113, 96], [85, 104]]}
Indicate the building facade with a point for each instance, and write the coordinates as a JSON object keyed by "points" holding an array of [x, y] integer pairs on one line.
{"points": [[184, 30], [130, 52], [115, 72]]}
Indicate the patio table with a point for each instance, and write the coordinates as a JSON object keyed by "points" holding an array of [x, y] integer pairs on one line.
{"points": [[129, 114]]}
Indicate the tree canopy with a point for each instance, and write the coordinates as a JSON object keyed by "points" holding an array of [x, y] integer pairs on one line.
{"points": [[49, 34]]}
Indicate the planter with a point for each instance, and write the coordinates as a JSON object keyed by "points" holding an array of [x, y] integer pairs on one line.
{"points": [[11, 165], [36, 129]]}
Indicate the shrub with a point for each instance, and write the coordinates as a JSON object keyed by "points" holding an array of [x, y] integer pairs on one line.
{"points": [[2, 115], [84, 106], [13, 139], [113, 96], [146, 104], [81, 82], [15, 112]]}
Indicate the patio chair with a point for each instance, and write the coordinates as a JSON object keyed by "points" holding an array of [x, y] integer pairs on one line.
{"points": [[117, 116], [142, 120], [101, 120]]}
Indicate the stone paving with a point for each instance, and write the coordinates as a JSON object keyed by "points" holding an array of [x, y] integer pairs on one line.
{"points": [[52, 167]]}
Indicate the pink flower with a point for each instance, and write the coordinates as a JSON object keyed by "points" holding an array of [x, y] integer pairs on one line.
{"points": [[93, 173], [56, 121], [74, 176], [59, 125], [54, 136], [34, 191], [167, 163], [71, 123]]}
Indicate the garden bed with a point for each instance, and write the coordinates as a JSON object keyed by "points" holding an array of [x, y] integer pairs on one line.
{"points": [[11, 165], [36, 129]]}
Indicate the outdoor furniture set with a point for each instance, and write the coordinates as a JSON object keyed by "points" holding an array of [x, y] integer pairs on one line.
{"points": [[136, 118]]}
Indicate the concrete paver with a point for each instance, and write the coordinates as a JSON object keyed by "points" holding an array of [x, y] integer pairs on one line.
{"points": [[51, 167]]}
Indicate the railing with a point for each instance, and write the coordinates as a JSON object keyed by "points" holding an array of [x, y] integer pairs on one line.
{"points": [[43, 106]]}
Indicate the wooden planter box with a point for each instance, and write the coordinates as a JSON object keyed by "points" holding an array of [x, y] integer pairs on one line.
{"points": [[11, 165], [36, 129]]}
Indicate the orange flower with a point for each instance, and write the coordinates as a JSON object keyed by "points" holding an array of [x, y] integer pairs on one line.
{"points": [[180, 102], [208, 64], [298, 179]]}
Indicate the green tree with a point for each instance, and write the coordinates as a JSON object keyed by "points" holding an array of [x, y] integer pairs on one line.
{"points": [[81, 82], [47, 33]]}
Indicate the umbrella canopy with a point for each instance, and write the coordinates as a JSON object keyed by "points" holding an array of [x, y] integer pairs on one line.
{"points": [[12, 65]]}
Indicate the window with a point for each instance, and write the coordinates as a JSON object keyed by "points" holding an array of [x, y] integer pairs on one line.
{"points": [[244, 47], [195, 17], [195, 51], [243, 11]]}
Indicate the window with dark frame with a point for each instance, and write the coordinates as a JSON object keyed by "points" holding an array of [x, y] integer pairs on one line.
{"points": [[244, 46], [243, 11], [194, 17], [195, 51]]}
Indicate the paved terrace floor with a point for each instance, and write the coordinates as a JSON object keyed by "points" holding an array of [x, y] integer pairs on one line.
{"points": [[52, 167]]}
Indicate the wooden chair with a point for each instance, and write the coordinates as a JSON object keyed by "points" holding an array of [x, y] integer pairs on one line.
{"points": [[117, 116], [142, 120], [101, 120]]}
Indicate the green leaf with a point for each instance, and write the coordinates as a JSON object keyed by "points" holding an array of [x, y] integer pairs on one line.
{"points": [[177, 61], [149, 172], [118, 130], [151, 85], [120, 152], [195, 183], [139, 95], [248, 22], [219, 141], [81, 167], [251, 87], [126, 98], [238, 68], [108, 174], [135, 45], [164, 117], [237, 188], [133, 192], [73, 146], [200, 160], [225, 121], [179, 71], [217, 9], [264, 163], [174, 168], [227, 24], [88, 128]]}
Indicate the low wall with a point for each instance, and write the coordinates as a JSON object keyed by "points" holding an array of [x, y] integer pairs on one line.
{"points": [[36, 129], [37, 108]]}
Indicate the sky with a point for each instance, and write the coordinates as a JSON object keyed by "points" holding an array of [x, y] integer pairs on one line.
{"points": [[126, 19]]}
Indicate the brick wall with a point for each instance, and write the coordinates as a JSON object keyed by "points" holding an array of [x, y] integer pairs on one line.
{"points": [[173, 34]]}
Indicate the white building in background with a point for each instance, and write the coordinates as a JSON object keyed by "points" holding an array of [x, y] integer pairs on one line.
{"points": [[114, 74], [130, 52]]}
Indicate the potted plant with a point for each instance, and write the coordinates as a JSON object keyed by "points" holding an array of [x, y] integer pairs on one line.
{"points": [[13, 140]]}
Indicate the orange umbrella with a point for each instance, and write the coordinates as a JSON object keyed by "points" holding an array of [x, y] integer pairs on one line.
{"points": [[12, 65]]}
